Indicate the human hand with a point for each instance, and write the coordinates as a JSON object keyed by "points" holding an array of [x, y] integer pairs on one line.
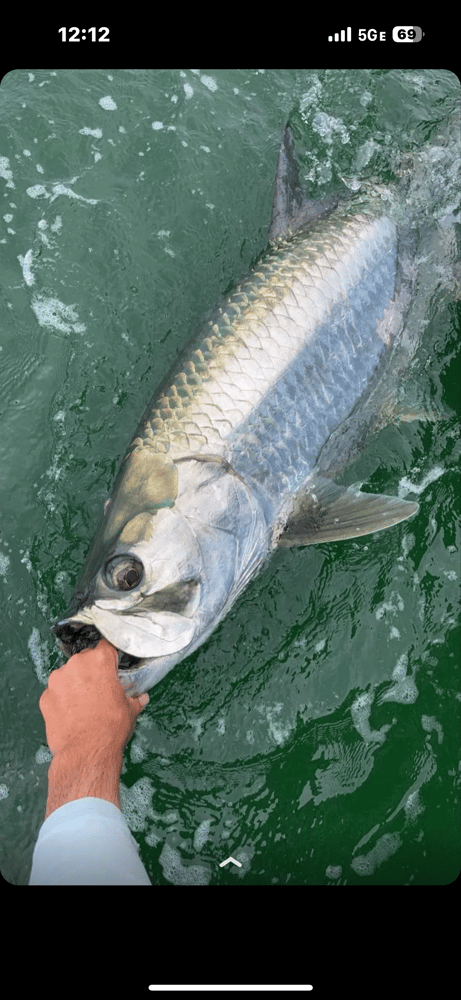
{"points": [[85, 708]]}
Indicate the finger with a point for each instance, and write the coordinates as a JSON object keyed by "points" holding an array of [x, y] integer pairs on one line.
{"points": [[141, 702]]}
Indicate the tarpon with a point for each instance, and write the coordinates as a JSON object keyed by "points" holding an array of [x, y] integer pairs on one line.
{"points": [[238, 451]]}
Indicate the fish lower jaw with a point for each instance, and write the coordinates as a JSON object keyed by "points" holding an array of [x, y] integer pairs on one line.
{"points": [[76, 636], [128, 662], [136, 674]]}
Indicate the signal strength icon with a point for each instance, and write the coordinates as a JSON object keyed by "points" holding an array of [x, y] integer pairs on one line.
{"points": [[346, 36]]}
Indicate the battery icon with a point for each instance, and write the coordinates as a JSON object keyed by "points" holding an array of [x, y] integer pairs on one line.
{"points": [[403, 33]]}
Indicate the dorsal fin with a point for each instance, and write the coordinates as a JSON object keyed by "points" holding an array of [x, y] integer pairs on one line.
{"points": [[291, 210]]}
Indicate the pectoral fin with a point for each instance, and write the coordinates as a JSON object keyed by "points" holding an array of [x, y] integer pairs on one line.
{"points": [[325, 512]]}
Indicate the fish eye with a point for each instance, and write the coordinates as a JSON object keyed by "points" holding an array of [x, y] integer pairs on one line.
{"points": [[123, 572]]}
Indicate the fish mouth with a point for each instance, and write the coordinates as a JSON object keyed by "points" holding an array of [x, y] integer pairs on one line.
{"points": [[76, 636]]}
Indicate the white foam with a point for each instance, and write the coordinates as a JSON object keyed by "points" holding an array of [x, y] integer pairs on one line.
{"points": [[404, 691], [137, 753], [107, 103], [202, 834], [407, 485], [279, 731], [429, 723], [413, 807], [136, 803], [4, 564], [40, 655], [5, 171], [95, 132], [360, 712], [334, 871], [209, 82], [177, 873], [395, 603], [54, 314], [26, 266], [386, 846]]}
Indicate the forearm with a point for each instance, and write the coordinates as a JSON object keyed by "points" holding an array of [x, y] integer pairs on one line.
{"points": [[96, 775]]}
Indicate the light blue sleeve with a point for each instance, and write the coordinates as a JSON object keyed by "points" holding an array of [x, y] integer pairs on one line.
{"points": [[87, 842]]}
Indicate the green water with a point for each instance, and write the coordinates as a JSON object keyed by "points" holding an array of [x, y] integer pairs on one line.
{"points": [[315, 736]]}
